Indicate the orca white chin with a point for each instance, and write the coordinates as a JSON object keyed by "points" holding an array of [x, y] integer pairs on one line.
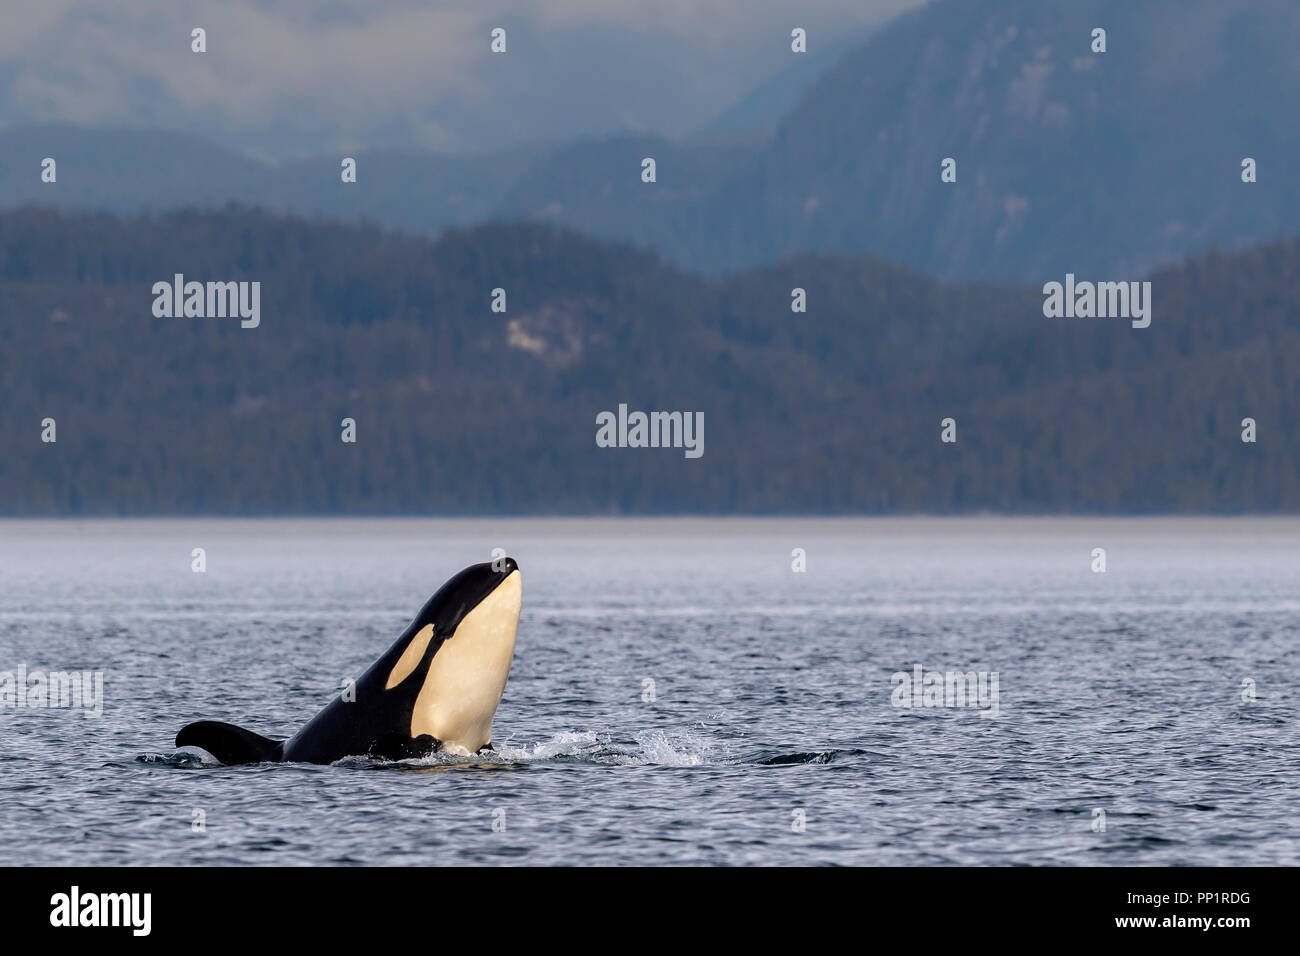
{"points": [[467, 677]]}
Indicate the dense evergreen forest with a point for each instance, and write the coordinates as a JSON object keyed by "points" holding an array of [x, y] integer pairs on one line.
{"points": [[463, 410]]}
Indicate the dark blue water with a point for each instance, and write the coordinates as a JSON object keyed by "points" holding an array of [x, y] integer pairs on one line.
{"points": [[1126, 732]]}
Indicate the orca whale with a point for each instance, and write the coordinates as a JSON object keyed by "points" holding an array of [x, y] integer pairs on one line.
{"points": [[437, 687]]}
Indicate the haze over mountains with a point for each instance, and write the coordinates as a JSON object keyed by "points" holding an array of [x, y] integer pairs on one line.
{"points": [[924, 298], [460, 410], [1106, 165]]}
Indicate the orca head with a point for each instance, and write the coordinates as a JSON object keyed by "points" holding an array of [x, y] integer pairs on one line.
{"points": [[464, 592], [471, 623]]}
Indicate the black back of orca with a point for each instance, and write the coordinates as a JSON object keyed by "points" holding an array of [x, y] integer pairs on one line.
{"points": [[403, 696]]}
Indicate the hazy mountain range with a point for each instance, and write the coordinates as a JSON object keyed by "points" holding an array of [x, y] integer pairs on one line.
{"points": [[1104, 164], [924, 298], [460, 409]]}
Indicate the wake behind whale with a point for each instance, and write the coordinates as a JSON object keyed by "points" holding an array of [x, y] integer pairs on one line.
{"points": [[436, 689]]}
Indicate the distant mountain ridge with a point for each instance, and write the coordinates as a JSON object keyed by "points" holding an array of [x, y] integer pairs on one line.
{"points": [[1067, 160], [132, 171], [1103, 164]]}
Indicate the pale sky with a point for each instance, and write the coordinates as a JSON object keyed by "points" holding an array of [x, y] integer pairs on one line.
{"points": [[301, 77]]}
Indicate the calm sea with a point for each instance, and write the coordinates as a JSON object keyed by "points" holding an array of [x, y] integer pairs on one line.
{"points": [[679, 693]]}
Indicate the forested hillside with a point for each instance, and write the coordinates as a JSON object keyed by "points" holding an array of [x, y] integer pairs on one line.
{"points": [[463, 410]]}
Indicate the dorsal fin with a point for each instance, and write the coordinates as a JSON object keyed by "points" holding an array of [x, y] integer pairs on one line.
{"points": [[228, 743]]}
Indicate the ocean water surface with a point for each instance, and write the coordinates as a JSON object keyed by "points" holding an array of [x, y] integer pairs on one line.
{"points": [[679, 694]]}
